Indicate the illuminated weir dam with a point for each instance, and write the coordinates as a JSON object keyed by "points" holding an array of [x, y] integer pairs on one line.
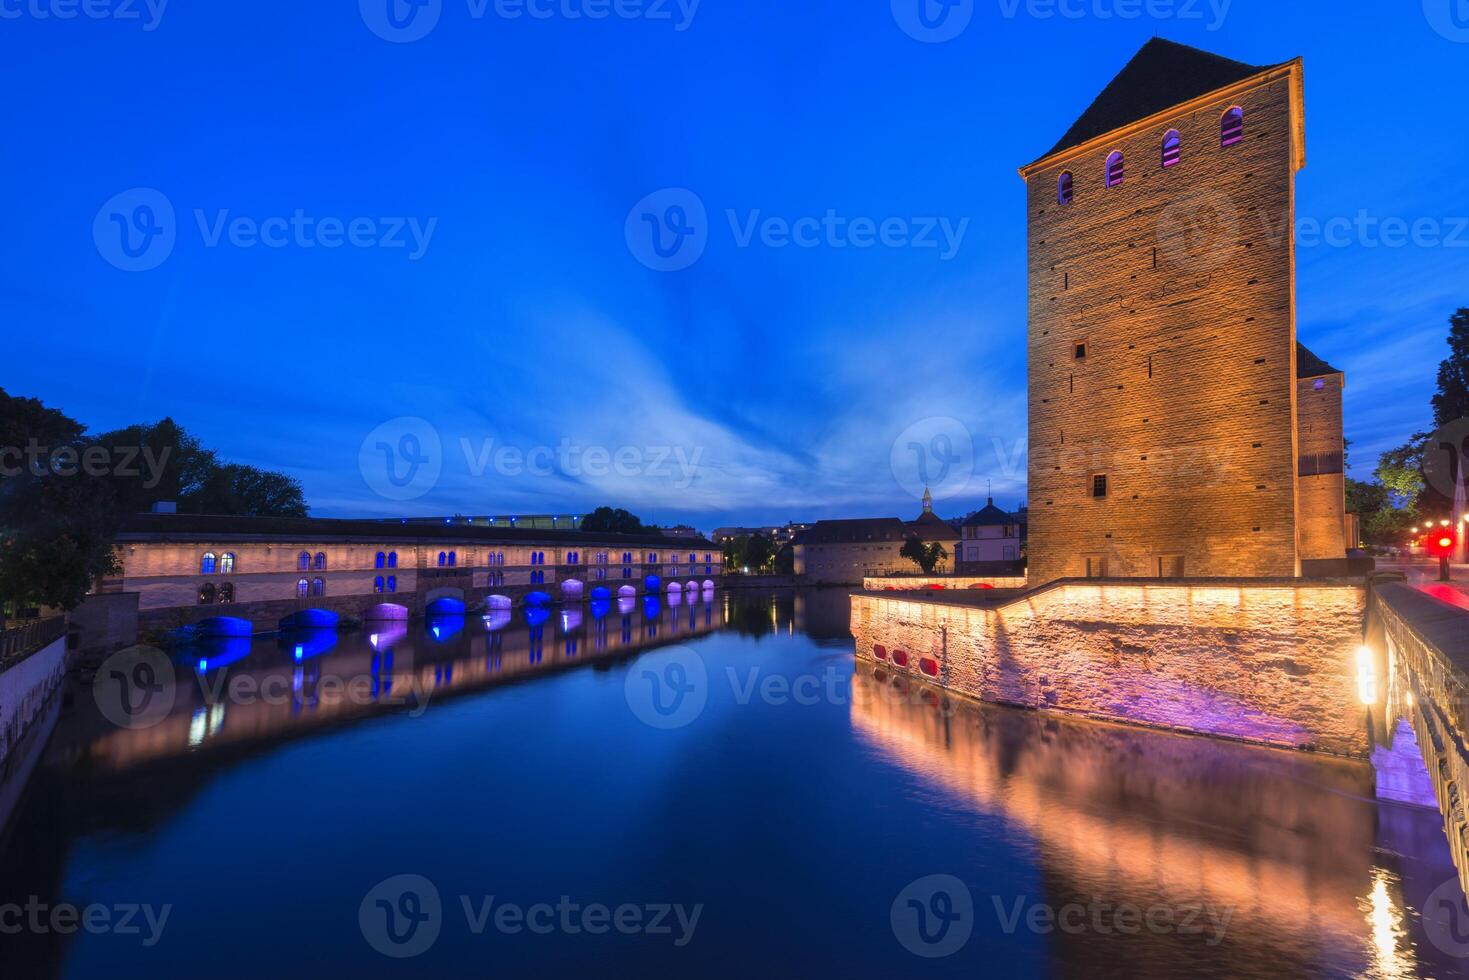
{"points": [[802, 794]]}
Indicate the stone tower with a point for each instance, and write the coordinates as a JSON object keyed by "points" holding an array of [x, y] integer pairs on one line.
{"points": [[1162, 333]]}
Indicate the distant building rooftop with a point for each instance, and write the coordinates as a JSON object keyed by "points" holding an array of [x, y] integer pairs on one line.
{"points": [[1308, 365], [855, 531], [206, 527]]}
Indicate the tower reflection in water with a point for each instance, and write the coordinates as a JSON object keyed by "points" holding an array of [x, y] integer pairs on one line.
{"points": [[1316, 877]]}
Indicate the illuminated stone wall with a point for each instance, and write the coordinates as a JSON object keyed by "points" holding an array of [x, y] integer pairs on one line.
{"points": [[949, 582], [1421, 647], [1180, 284], [1267, 662]]}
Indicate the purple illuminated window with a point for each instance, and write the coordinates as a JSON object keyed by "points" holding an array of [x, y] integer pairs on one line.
{"points": [[1115, 170], [1064, 188], [1172, 148], [1232, 128]]}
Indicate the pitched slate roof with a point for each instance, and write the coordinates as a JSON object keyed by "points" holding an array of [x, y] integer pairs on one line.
{"points": [[930, 523], [855, 531], [989, 515], [1308, 365], [1161, 75]]}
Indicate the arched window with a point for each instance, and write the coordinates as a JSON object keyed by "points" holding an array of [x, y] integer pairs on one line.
{"points": [[227, 563], [453, 559], [1115, 169], [227, 592], [303, 586], [392, 559], [318, 587], [652, 558], [303, 561], [381, 561], [206, 593], [392, 583], [206, 564], [443, 558], [1172, 148], [693, 558], [1232, 127], [1065, 188], [320, 563], [377, 584]]}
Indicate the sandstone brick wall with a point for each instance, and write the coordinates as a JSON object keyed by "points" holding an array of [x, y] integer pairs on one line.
{"points": [[1180, 283], [1324, 496], [849, 564], [1267, 663], [949, 582]]}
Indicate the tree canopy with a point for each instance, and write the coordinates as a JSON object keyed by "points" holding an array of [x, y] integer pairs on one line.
{"points": [[926, 556], [605, 520]]}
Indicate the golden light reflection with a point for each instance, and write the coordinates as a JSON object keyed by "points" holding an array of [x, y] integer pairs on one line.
{"points": [[1389, 937]]}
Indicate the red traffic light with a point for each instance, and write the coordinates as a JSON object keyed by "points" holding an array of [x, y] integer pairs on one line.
{"points": [[1441, 543]]}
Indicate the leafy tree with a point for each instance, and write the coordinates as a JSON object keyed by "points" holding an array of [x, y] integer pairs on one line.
{"points": [[734, 551], [1452, 400], [926, 556], [251, 492], [605, 520], [1401, 471], [785, 560], [57, 525], [759, 552]]}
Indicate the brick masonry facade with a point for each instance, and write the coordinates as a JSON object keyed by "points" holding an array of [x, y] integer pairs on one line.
{"points": [[1323, 494], [1180, 284]]}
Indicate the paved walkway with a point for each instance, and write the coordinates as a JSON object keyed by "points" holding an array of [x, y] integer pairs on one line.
{"points": [[1423, 575]]}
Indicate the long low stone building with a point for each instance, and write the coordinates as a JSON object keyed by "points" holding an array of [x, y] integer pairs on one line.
{"points": [[180, 569]]}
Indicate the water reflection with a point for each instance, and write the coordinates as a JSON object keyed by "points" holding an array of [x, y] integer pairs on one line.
{"points": [[237, 691], [1309, 865]]}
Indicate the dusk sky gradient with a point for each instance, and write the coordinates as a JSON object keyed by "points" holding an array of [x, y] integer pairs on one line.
{"points": [[528, 320]]}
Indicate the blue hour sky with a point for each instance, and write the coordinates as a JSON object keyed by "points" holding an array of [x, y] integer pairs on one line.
{"points": [[366, 231]]}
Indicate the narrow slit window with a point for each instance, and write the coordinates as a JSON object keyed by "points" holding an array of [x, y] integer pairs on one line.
{"points": [[1116, 170], [1065, 188]]}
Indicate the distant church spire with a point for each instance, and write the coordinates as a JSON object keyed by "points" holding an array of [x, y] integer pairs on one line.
{"points": [[927, 501]]}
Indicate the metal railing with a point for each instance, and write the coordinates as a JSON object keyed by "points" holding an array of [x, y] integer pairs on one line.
{"points": [[22, 641]]}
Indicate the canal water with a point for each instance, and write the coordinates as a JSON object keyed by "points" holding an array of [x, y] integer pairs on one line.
{"points": [[706, 787]]}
